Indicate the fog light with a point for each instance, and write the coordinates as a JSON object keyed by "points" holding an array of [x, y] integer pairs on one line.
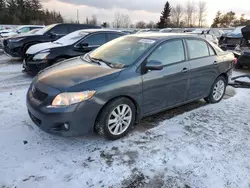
{"points": [[66, 126]]}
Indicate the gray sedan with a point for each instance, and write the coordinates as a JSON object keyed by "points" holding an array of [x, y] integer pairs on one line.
{"points": [[113, 87]]}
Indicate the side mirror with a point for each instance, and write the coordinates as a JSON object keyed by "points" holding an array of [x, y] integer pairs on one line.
{"points": [[154, 65], [52, 35], [83, 45]]}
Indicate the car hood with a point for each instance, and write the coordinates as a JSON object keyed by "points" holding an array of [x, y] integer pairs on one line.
{"points": [[69, 74], [42, 46], [10, 34], [234, 35], [246, 32], [23, 35]]}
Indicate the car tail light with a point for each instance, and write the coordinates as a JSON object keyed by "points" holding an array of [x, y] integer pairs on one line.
{"points": [[235, 60]]}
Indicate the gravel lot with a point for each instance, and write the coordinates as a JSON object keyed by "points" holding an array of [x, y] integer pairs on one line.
{"points": [[196, 145]]}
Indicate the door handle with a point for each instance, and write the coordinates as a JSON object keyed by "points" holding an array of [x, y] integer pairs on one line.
{"points": [[184, 70], [216, 63]]}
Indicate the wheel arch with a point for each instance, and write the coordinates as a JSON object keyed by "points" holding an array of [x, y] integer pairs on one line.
{"points": [[137, 107], [225, 76]]}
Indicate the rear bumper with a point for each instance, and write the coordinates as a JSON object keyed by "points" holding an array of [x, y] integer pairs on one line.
{"points": [[80, 117]]}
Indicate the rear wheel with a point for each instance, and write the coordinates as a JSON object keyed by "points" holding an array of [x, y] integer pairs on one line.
{"points": [[218, 90], [116, 119]]}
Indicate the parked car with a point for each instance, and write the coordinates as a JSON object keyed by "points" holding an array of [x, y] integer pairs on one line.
{"points": [[148, 30], [166, 30], [80, 42], [232, 39], [17, 46], [20, 30], [131, 77], [209, 37], [242, 51], [30, 32]]}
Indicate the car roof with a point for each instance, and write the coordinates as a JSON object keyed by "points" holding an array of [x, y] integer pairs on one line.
{"points": [[31, 26], [160, 36], [100, 30]]}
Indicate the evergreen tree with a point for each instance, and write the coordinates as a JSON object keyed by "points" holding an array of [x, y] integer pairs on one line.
{"points": [[3, 12], [217, 20], [165, 16]]}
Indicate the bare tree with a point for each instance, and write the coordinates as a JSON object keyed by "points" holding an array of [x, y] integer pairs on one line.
{"points": [[151, 24], [126, 21], [190, 13], [140, 24], [202, 8], [121, 20], [177, 14], [91, 21]]}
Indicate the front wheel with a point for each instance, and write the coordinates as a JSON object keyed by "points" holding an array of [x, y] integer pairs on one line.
{"points": [[116, 119], [218, 90]]}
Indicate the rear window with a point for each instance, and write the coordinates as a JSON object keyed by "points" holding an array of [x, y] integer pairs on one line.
{"points": [[216, 48]]}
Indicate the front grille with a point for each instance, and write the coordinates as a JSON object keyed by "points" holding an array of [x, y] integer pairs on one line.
{"points": [[37, 94], [233, 41]]}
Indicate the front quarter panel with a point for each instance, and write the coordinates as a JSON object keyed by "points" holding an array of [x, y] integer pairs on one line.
{"points": [[127, 84]]}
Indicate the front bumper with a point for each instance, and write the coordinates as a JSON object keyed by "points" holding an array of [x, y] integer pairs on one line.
{"points": [[13, 50], [80, 117], [34, 66]]}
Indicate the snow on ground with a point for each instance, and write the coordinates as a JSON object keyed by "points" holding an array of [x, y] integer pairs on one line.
{"points": [[208, 147]]}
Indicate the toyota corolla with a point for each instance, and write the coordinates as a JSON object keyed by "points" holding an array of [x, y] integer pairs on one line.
{"points": [[110, 89]]}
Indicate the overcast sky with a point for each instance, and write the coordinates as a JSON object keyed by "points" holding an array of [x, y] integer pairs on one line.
{"points": [[145, 10]]}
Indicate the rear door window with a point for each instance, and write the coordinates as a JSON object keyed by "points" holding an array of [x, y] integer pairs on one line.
{"points": [[197, 48]]}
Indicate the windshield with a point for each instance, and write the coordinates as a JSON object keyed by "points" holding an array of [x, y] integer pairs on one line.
{"points": [[45, 29], [71, 38], [23, 30], [123, 51]]}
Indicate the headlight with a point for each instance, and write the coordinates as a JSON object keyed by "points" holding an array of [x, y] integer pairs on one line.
{"points": [[41, 56], [16, 39], [66, 99]]}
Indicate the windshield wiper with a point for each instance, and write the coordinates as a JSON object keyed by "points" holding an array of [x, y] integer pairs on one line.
{"points": [[93, 60], [101, 60]]}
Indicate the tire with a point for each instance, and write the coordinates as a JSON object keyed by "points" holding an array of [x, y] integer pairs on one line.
{"points": [[238, 66], [107, 123], [212, 96]]}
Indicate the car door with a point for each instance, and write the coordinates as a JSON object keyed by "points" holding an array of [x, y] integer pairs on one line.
{"points": [[203, 67], [112, 36], [92, 42], [169, 86]]}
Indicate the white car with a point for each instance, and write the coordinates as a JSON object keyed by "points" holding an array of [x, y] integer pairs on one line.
{"points": [[19, 30]]}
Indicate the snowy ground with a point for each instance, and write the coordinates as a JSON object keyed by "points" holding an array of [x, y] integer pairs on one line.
{"points": [[205, 146]]}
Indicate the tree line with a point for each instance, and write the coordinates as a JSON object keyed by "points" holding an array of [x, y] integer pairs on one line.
{"points": [[27, 12], [229, 19]]}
